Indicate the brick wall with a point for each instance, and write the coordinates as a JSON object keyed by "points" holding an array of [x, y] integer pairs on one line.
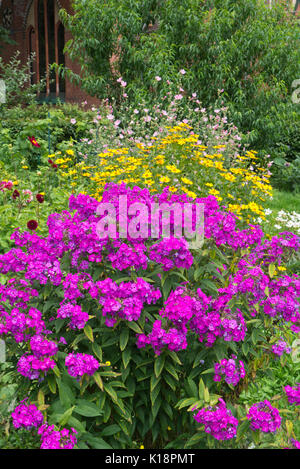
{"points": [[22, 18]]}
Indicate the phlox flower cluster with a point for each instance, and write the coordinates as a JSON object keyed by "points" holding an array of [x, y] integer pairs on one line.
{"points": [[230, 370], [264, 417], [281, 347], [159, 338], [42, 347], [171, 253], [27, 416], [209, 318], [79, 364], [31, 366], [78, 317], [218, 422], [125, 300], [55, 439], [293, 394]]}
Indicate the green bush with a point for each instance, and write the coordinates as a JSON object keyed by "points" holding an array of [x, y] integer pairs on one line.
{"points": [[245, 48]]}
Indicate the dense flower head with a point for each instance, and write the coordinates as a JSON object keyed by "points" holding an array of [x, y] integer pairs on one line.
{"points": [[231, 370], [125, 300], [78, 317], [218, 421], [263, 416], [31, 366], [293, 394], [79, 364], [27, 416], [41, 347], [173, 339], [57, 439], [171, 253], [281, 347]]}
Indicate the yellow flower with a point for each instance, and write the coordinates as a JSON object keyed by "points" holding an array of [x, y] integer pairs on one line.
{"points": [[173, 169], [164, 179], [142, 447], [186, 181], [147, 175], [107, 363], [214, 192]]}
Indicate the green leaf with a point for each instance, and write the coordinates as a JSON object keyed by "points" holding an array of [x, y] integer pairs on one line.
{"points": [[97, 351], [124, 336], [52, 384], [135, 327], [87, 408], [154, 382], [66, 395], [159, 365], [194, 440], [66, 416], [98, 380], [111, 392], [185, 402], [201, 389], [126, 357], [56, 371], [89, 332], [97, 442], [110, 430], [170, 369], [242, 429], [193, 387]]}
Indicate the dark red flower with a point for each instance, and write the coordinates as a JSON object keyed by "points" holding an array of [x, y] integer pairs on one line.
{"points": [[34, 142], [40, 198], [15, 194], [32, 224], [50, 161]]}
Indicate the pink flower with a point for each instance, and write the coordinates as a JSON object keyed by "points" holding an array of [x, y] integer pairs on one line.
{"points": [[178, 96], [73, 121], [182, 71], [157, 78]]}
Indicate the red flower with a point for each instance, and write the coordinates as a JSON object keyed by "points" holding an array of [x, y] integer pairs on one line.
{"points": [[15, 194], [40, 198], [34, 142], [32, 224]]}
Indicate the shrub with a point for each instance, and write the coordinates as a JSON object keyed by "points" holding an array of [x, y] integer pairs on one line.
{"points": [[219, 44]]}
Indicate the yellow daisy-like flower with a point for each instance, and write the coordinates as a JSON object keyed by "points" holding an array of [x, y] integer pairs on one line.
{"points": [[187, 181], [164, 179], [173, 169]]}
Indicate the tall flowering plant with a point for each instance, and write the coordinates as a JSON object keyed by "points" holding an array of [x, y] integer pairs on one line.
{"points": [[120, 341]]}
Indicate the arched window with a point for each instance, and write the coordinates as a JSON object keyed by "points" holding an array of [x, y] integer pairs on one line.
{"points": [[46, 38]]}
